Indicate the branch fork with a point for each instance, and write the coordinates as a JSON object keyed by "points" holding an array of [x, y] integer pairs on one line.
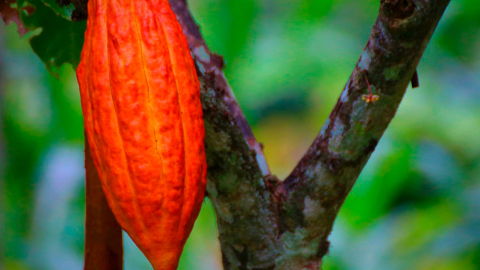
{"points": [[265, 223]]}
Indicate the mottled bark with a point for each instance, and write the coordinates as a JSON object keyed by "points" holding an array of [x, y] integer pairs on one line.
{"points": [[265, 223]]}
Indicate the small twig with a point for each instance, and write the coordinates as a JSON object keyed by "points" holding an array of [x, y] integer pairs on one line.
{"points": [[415, 82]]}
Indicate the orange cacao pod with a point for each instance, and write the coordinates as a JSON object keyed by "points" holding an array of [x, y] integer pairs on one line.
{"points": [[143, 119]]}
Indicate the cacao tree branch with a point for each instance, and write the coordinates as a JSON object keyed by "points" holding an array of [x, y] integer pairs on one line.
{"points": [[268, 224], [237, 170], [308, 201], [103, 234], [312, 195], [210, 67]]}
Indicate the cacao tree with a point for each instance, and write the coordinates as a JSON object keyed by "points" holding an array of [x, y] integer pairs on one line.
{"points": [[263, 222]]}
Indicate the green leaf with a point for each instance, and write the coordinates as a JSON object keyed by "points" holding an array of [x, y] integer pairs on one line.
{"points": [[62, 11], [60, 40]]}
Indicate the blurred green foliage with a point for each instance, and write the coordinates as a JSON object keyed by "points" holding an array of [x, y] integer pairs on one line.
{"points": [[415, 206]]}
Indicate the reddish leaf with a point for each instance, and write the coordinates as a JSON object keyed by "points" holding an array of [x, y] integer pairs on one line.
{"points": [[10, 14]]}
